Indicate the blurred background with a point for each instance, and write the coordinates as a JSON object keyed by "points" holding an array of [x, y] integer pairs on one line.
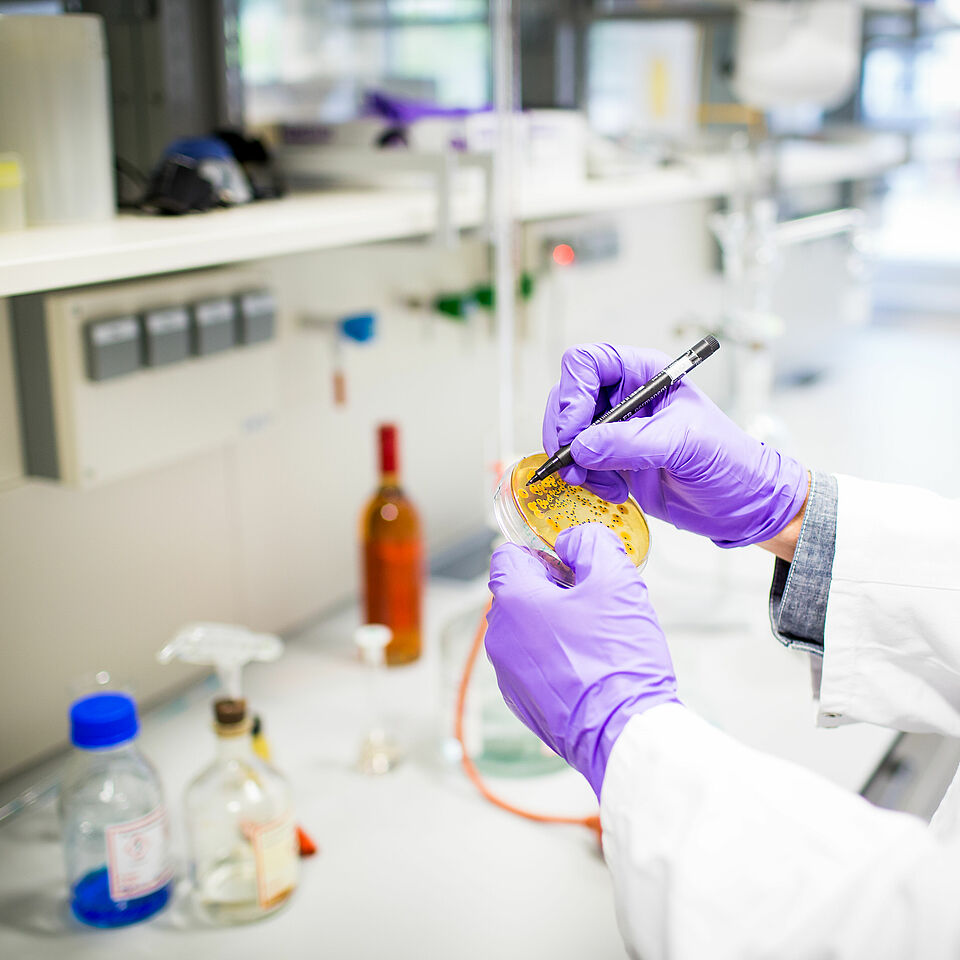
{"points": [[237, 236]]}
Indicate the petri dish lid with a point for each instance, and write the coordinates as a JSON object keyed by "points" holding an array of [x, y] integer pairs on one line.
{"points": [[553, 505]]}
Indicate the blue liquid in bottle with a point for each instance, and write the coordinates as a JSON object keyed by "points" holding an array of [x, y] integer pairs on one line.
{"points": [[114, 822], [91, 902]]}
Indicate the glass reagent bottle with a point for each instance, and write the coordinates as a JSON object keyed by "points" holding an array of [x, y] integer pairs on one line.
{"points": [[115, 830], [240, 823]]}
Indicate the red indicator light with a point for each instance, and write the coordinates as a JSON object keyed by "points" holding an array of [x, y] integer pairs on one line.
{"points": [[563, 255]]}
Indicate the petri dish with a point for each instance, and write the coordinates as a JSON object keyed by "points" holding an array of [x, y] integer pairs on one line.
{"points": [[534, 516]]}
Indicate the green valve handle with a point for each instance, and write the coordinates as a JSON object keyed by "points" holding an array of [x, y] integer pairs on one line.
{"points": [[459, 306], [486, 295]]}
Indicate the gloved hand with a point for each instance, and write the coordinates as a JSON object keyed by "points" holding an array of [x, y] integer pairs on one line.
{"points": [[575, 664], [680, 456]]}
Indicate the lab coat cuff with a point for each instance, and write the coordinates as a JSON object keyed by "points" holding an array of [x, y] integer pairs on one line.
{"points": [[799, 591], [657, 729]]}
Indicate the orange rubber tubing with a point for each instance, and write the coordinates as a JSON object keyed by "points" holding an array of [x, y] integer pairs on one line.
{"points": [[592, 823]]}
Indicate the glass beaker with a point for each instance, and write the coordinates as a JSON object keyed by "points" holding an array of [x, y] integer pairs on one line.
{"points": [[497, 742], [534, 516]]}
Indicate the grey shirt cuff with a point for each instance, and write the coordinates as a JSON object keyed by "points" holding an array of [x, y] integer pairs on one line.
{"points": [[799, 592]]}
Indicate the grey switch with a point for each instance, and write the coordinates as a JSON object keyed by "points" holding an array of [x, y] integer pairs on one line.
{"points": [[113, 347], [166, 335], [214, 328], [258, 311]]}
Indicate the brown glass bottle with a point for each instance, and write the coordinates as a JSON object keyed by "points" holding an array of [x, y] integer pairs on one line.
{"points": [[393, 556]]}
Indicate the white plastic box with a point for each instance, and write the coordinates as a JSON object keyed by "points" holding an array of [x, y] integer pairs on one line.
{"points": [[55, 114], [549, 150]]}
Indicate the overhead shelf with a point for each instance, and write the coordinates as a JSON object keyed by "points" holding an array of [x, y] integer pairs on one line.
{"points": [[46, 258], [49, 258]]}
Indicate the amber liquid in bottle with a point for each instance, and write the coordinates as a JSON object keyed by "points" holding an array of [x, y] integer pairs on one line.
{"points": [[393, 557]]}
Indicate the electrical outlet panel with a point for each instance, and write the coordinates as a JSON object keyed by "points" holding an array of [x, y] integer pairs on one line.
{"points": [[582, 244], [166, 336], [122, 378], [113, 347]]}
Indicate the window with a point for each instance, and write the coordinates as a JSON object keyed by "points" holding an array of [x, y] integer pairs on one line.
{"points": [[309, 60]]}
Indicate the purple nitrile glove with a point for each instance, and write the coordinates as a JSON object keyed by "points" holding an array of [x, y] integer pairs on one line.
{"points": [[575, 664], [680, 456]]}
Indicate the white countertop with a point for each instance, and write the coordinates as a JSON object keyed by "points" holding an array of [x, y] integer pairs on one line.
{"points": [[417, 864]]}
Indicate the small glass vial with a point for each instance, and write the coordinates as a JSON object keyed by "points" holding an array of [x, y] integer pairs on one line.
{"points": [[115, 831], [243, 840], [379, 752]]}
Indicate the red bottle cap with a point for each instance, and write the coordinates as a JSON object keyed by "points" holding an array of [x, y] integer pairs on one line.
{"points": [[388, 448]]}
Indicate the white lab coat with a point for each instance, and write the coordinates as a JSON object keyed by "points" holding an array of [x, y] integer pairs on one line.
{"points": [[719, 851]]}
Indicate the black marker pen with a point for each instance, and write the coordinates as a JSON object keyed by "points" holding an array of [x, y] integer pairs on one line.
{"points": [[670, 374]]}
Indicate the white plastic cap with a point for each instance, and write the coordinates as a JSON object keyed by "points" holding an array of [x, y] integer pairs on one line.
{"points": [[372, 639]]}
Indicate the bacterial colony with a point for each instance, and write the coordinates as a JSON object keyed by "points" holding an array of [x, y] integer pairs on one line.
{"points": [[553, 505]]}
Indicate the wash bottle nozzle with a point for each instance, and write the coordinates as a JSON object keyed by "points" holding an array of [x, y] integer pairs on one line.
{"points": [[224, 646]]}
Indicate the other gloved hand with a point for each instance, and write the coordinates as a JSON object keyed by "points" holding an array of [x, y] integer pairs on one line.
{"points": [[575, 664], [680, 456]]}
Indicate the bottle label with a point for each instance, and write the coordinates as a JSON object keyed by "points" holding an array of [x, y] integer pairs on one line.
{"points": [[275, 851], [138, 861]]}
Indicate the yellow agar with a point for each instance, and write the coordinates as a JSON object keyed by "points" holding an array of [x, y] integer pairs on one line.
{"points": [[553, 505]]}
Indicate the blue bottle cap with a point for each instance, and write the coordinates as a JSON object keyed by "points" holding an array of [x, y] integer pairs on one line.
{"points": [[103, 720]]}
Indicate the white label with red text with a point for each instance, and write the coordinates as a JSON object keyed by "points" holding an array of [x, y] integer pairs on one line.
{"points": [[138, 861]]}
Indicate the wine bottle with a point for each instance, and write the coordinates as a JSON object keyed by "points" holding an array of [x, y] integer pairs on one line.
{"points": [[393, 556]]}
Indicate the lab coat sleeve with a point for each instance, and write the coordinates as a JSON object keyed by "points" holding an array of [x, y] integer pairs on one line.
{"points": [[892, 634], [719, 851]]}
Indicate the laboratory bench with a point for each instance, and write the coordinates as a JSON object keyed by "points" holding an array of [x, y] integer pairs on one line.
{"points": [[415, 863]]}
